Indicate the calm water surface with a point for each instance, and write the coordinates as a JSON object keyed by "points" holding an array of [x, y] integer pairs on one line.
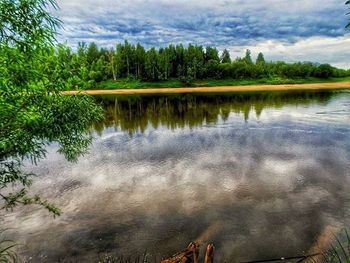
{"points": [[260, 175]]}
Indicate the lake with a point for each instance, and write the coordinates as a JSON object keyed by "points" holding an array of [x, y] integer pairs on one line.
{"points": [[261, 175]]}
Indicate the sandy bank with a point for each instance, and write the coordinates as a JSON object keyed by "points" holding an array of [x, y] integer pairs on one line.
{"points": [[316, 86]]}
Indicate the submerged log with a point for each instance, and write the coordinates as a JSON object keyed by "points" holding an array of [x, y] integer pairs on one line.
{"points": [[190, 255]]}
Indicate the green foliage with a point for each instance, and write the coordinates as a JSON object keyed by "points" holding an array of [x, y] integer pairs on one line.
{"points": [[248, 57], [211, 54], [188, 79], [151, 64], [90, 66], [7, 249], [32, 111], [225, 57], [27, 25], [92, 53], [324, 71], [260, 59]]}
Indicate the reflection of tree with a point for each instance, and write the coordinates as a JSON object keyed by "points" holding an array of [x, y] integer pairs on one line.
{"points": [[135, 113]]}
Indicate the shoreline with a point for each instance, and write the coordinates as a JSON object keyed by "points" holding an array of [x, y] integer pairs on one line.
{"points": [[217, 89]]}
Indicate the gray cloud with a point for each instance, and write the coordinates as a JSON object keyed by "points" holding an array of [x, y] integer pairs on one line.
{"points": [[223, 23]]}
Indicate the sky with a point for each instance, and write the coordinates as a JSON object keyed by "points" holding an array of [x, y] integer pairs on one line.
{"points": [[297, 30]]}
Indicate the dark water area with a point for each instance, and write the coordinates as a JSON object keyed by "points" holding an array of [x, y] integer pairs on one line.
{"points": [[261, 175]]}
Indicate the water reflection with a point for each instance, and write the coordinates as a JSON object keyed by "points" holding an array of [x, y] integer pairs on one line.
{"points": [[261, 176], [135, 113]]}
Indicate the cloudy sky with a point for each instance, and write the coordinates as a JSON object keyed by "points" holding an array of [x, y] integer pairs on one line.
{"points": [[297, 30]]}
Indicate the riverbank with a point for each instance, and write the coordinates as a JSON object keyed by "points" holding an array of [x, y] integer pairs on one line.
{"points": [[125, 83], [217, 89]]}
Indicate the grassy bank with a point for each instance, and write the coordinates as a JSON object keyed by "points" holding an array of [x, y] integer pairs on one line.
{"points": [[174, 83]]}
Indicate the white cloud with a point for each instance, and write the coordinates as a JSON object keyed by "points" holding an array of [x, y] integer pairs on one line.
{"points": [[335, 51]]}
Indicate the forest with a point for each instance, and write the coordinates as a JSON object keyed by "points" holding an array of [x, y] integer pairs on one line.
{"points": [[89, 65]]}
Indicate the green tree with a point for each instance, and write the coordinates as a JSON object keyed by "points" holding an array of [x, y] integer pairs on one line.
{"points": [[111, 59], [212, 68], [324, 71], [129, 52], [92, 53], [194, 56], [180, 61], [33, 112], [151, 65], [97, 70], [172, 58], [248, 57], [260, 59], [90, 65], [120, 61], [211, 54], [82, 53], [140, 54], [164, 62], [225, 57]]}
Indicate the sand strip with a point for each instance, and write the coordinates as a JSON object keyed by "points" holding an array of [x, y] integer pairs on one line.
{"points": [[315, 86]]}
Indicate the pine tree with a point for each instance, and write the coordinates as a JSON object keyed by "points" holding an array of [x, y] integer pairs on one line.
{"points": [[248, 57], [225, 57], [151, 64], [211, 54], [92, 53], [140, 54], [260, 59]]}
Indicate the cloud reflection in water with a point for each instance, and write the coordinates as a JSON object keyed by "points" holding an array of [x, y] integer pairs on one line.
{"points": [[262, 188]]}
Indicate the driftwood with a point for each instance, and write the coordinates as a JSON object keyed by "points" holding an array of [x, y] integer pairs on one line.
{"points": [[190, 255]]}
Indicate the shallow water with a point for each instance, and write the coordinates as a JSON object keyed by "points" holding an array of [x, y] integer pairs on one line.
{"points": [[261, 175]]}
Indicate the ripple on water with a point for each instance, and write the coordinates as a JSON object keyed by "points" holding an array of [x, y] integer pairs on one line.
{"points": [[258, 187]]}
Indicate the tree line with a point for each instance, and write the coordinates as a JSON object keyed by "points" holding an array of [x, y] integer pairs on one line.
{"points": [[90, 64]]}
